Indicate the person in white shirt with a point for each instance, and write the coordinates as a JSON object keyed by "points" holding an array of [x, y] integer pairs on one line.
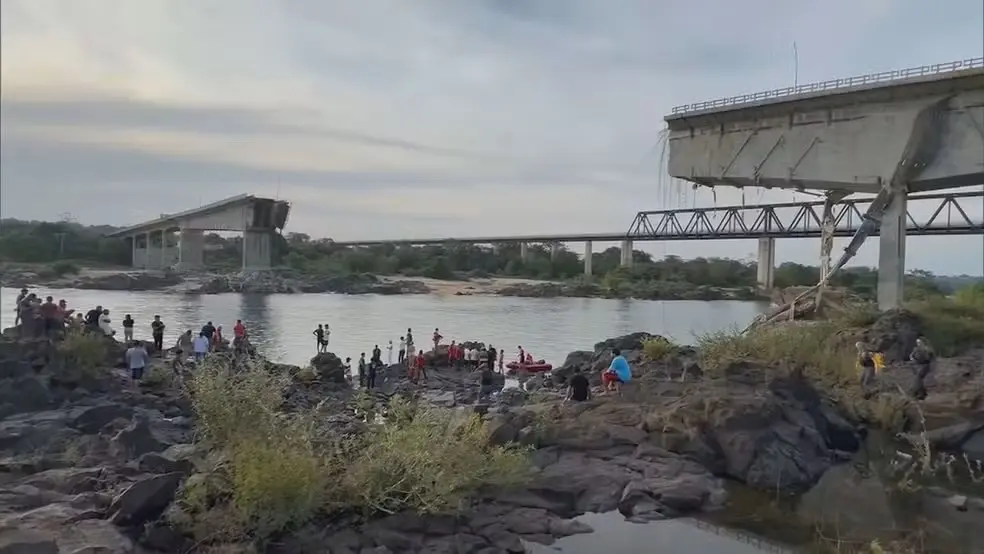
{"points": [[137, 359], [401, 356], [327, 336], [105, 324], [201, 347], [389, 353], [468, 356]]}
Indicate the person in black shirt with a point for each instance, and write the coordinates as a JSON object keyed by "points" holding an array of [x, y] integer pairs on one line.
{"points": [[377, 355], [319, 334], [92, 318], [578, 389], [490, 357], [208, 330], [128, 328], [157, 331], [409, 337]]}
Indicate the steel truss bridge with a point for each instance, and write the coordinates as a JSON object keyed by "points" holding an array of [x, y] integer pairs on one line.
{"points": [[949, 214]]}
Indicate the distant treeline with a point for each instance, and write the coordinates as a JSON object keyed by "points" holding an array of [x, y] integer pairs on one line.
{"points": [[48, 242]]}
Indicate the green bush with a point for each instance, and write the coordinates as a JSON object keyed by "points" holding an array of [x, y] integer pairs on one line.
{"points": [[64, 268], [953, 324], [657, 348], [280, 470], [85, 353]]}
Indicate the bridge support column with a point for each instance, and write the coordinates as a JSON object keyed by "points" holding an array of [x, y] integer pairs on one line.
{"points": [[524, 252], [256, 250], [191, 249], [554, 251], [156, 245], [766, 263], [587, 258], [891, 253], [626, 253]]}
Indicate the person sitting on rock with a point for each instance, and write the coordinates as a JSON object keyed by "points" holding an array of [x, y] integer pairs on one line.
{"points": [[617, 374], [578, 388], [923, 356]]}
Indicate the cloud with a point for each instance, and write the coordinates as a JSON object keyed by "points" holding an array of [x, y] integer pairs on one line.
{"points": [[433, 118]]}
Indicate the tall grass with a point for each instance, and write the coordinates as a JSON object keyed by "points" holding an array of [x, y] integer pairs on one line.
{"points": [[85, 354], [953, 324], [279, 471]]}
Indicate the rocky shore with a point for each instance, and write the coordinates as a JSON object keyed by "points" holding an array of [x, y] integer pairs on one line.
{"points": [[88, 464], [289, 282]]}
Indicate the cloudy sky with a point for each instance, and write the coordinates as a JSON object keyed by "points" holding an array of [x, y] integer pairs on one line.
{"points": [[401, 118]]}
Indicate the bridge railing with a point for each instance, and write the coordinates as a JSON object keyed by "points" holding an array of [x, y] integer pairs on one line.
{"points": [[833, 84], [937, 214]]}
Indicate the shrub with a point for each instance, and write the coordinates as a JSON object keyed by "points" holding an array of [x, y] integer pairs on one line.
{"points": [[953, 324], [430, 462], [277, 472], [86, 353], [817, 348], [64, 268], [657, 348]]}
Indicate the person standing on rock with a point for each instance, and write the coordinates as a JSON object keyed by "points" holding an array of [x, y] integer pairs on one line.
{"points": [[923, 356], [409, 338], [436, 338], [362, 370], [52, 322], [377, 355], [371, 374], [157, 332], [401, 355], [421, 365], [319, 336], [137, 359], [200, 346], [866, 363], [327, 336], [128, 328], [502, 358], [389, 353], [490, 357], [348, 369], [238, 330], [17, 306], [208, 330]]}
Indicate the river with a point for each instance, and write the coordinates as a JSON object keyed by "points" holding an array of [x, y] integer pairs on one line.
{"points": [[550, 328], [281, 325]]}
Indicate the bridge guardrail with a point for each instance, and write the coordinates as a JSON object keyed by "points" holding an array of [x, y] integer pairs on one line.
{"points": [[833, 84]]}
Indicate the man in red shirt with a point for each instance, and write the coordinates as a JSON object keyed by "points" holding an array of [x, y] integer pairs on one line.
{"points": [[239, 331], [421, 365]]}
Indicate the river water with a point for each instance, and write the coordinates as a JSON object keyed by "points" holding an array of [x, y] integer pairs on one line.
{"points": [[281, 326]]}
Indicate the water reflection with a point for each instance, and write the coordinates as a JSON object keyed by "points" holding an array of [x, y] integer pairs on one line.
{"points": [[281, 325], [614, 534]]}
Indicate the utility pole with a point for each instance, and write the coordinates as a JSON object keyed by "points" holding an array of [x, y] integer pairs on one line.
{"points": [[64, 217]]}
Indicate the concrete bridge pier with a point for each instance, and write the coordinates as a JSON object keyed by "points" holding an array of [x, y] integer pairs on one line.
{"points": [[587, 258], [256, 250], [524, 252], [626, 253], [191, 248], [554, 251], [766, 263], [891, 253]]}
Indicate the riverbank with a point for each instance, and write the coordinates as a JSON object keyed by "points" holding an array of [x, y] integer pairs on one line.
{"points": [[290, 282], [88, 462]]}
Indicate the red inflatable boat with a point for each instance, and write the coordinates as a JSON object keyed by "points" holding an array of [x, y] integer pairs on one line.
{"points": [[537, 367]]}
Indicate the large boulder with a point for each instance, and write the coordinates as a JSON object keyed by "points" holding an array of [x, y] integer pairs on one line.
{"points": [[329, 367]]}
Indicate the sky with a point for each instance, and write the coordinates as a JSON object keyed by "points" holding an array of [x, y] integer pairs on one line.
{"points": [[423, 118]]}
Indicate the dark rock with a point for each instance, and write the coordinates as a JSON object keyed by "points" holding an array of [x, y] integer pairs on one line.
{"points": [[136, 440], [152, 462], [145, 500], [92, 420], [17, 541], [329, 367]]}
